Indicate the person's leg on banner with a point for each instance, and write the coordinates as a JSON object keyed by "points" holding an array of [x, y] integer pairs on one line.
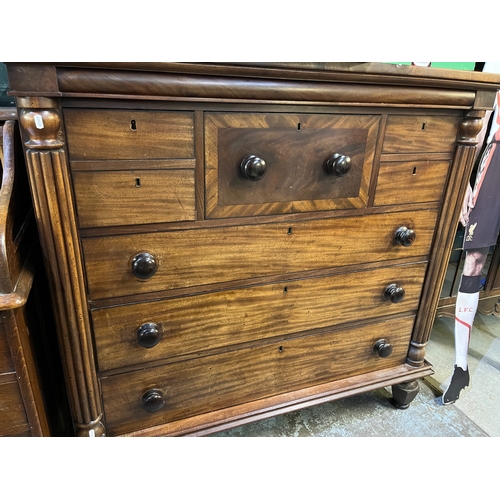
{"points": [[465, 311]]}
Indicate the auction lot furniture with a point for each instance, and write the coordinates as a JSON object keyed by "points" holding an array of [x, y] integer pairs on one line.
{"points": [[228, 242], [32, 396]]}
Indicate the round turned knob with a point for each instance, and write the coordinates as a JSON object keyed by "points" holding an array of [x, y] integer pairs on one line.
{"points": [[144, 265], [394, 293], [148, 335], [405, 236], [338, 165], [382, 348], [253, 168], [152, 400]]}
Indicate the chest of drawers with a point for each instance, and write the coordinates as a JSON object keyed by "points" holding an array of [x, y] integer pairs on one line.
{"points": [[230, 242]]}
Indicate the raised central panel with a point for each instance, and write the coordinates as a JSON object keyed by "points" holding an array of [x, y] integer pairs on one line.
{"points": [[269, 163]]}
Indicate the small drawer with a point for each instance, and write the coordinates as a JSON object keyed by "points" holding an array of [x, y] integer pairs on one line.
{"points": [[151, 331], [124, 197], [150, 262], [144, 398], [420, 134], [281, 163], [411, 182], [95, 134]]}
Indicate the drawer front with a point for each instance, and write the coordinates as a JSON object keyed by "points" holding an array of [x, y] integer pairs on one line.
{"points": [[420, 134], [127, 134], [295, 150], [116, 198], [189, 325], [411, 182], [13, 420], [213, 382], [207, 256]]}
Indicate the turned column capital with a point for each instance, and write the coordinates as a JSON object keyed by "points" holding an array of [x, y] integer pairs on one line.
{"points": [[470, 127], [41, 121]]}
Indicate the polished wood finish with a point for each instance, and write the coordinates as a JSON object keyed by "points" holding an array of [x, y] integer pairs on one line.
{"points": [[198, 386], [420, 134], [46, 162], [105, 198], [299, 259], [295, 149], [125, 135], [189, 325], [195, 257], [411, 182]]}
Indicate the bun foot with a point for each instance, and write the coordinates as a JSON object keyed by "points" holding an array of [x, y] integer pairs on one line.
{"points": [[403, 394]]}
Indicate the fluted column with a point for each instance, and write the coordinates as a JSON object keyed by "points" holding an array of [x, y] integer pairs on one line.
{"points": [[47, 165], [446, 228]]}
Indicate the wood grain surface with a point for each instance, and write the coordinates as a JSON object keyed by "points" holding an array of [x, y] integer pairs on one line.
{"points": [[213, 382], [201, 323], [128, 134], [208, 256]]}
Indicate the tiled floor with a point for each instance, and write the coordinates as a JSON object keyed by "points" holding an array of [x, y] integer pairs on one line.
{"points": [[475, 414]]}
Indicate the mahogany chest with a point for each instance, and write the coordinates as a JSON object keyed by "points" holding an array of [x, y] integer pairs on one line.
{"points": [[227, 242]]}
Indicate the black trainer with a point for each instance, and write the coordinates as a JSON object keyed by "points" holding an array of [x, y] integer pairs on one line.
{"points": [[459, 381]]}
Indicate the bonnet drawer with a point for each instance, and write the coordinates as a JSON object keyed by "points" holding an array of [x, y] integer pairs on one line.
{"points": [[273, 163]]}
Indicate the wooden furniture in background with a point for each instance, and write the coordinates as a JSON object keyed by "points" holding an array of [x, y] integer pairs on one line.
{"points": [[228, 242], [32, 394]]}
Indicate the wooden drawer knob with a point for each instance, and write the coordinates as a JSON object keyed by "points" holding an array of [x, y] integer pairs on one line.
{"points": [[338, 165], [144, 265], [253, 168], [394, 293], [405, 236], [148, 335], [152, 400], [383, 348]]}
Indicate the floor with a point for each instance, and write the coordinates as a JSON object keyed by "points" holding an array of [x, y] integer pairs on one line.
{"points": [[475, 414]]}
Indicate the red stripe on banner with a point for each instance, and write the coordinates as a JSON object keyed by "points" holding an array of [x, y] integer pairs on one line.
{"points": [[469, 327]]}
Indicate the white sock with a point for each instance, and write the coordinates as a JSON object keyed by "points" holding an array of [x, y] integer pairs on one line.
{"points": [[465, 310]]}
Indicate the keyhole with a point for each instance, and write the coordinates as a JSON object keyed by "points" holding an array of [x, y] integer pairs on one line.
{"points": [[285, 290], [133, 125], [423, 126], [298, 126], [289, 230], [414, 170], [280, 348], [138, 183]]}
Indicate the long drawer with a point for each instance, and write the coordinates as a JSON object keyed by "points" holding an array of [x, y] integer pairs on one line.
{"points": [[139, 333], [196, 386], [116, 265]]}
